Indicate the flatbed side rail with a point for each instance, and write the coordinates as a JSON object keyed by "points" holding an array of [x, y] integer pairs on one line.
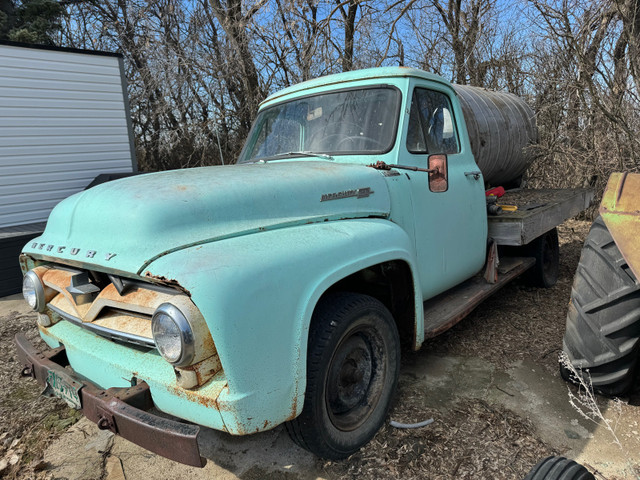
{"points": [[539, 210]]}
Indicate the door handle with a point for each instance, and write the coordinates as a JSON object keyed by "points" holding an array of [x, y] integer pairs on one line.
{"points": [[476, 174]]}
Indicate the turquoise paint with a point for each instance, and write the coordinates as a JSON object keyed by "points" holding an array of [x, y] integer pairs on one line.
{"points": [[257, 294], [141, 218], [450, 227], [256, 248], [109, 364]]}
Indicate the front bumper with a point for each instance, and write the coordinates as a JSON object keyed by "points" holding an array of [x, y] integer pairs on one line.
{"points": [[120, 410]]}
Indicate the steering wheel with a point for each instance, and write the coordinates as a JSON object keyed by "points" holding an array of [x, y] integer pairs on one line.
{"points": [[342, 128], [331, 132], [361, 139], [325, 144]]}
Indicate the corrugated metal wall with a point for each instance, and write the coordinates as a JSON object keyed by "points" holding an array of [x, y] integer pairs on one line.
{"points": [[63, 120], [10, 274]]}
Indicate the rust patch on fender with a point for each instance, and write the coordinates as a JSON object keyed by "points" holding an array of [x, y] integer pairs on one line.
{"points": [[194, 397], [169, 282], [241, 430], [205, 369], [24, 261], [218, 405], [294, 408]]}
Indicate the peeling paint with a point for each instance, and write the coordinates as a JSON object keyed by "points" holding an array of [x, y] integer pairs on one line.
{"points": [[620, 212], [169, 282]]}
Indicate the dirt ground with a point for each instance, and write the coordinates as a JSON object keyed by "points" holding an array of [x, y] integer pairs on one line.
{"points": [[491, 384]]}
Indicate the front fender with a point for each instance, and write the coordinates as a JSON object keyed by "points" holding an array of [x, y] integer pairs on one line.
{"points": [[257, 294]]}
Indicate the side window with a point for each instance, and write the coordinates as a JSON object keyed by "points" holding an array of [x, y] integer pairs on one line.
{"points": [[431, 126]]}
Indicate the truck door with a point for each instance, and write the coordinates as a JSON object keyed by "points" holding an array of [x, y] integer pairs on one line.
{"points": [[450, 225]]}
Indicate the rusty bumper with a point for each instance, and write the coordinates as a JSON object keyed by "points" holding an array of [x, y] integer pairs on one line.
{"points": [[120, 410]]}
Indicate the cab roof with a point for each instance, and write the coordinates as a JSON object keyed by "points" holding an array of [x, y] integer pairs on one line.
{"points": [[354, 76]]}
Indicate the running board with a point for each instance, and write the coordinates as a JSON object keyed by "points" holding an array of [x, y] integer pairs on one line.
{"points": [[445, 310]]}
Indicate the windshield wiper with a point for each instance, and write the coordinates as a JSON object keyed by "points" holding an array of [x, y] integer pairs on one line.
{"points": [[293, 154], [306, 153]]}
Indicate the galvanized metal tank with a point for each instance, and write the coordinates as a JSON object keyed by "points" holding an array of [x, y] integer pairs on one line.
{"points": [[500, 126]]}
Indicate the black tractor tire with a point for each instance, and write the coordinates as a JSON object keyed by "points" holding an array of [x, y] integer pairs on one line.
{"points": [[603, 323], [353, 363], [546, 250], [559, 468]]}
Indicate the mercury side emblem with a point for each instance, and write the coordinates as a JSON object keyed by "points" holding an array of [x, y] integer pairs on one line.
{"points": [[358, 193], [74, 251]]}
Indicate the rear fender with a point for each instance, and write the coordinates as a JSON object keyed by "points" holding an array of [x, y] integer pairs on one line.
{"points": [[257, 294], [620, 210]]}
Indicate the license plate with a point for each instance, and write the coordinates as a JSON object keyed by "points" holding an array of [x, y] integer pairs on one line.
{"points": [[64, 387]]}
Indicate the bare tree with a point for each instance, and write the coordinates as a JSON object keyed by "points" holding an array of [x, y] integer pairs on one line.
{"points": [[473, 42], [198, 69], [587, 100]]}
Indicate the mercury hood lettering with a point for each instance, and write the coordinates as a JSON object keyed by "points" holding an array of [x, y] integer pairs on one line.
{"points": [[74, 251], [358, 193]]}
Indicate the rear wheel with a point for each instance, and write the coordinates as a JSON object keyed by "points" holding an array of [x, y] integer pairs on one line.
{"points": [[558, 468], [546, 250], [603, 322], [352, 369]]}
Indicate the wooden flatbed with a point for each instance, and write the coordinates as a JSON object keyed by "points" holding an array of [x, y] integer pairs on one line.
{"points": [[538, 212]]}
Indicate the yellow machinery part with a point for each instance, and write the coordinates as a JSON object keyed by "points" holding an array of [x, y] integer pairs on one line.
{"points": [[620, 210]]}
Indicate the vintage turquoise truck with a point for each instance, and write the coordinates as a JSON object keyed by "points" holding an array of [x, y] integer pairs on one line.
{"points": [[281, 288]]}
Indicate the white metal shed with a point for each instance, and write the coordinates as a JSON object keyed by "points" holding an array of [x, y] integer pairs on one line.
{"points": [[64, 119]]}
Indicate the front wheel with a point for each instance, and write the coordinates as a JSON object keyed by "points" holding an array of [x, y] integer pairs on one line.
{"points": [[353, 364]]}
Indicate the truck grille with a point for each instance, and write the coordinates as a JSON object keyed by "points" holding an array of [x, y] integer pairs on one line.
{"points": [[113, 307]]}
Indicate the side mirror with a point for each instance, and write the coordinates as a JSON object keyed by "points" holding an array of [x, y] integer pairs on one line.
{"points": [[438, 173]]}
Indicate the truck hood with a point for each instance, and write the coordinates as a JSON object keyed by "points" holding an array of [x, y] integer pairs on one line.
{"points": [[126, 224]]}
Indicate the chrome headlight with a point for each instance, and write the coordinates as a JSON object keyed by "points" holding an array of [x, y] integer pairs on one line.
{"points": [[173, 335], [33, 291]]}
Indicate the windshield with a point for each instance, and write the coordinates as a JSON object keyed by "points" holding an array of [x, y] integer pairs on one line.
{"points": [[338, 123]]}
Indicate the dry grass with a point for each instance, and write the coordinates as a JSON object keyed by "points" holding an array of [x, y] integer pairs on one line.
{"points": [[29, 422], [474, 440]]}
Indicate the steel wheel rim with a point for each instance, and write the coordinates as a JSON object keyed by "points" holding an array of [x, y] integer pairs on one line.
{"points": [[355, 378]]}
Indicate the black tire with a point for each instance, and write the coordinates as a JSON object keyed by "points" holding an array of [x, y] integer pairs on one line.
{"points": [[546, 250], [353, 363], [558, 468], [603, 322]]}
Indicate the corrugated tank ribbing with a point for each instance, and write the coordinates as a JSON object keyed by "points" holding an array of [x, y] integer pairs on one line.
{"points": [[501, 126]]}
